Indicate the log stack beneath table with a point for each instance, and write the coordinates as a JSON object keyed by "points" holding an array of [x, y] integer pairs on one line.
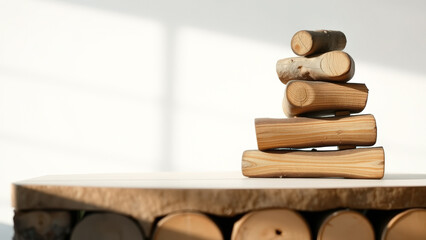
{"points": [[318, 103]]}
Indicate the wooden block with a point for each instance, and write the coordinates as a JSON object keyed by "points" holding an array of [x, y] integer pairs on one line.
{"points": [[335, 66], [352, 163], [306, 43], [186, 225], [317, 97], [271, 224], [409, 224], [346, 224], [42, 225], [305, 132], [106, 226]]}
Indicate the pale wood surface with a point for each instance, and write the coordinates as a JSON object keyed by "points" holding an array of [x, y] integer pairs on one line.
{"points": [[351, 163], [271, 224], [346, 224], [410, 224], [145, 196], [304, 132], [336, 66], [187, 226], [106, 226], [305, 42], [317, 97], [42, 225]]}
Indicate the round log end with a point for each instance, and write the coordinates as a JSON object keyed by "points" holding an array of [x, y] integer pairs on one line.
{"points": [[106, 226], [271, 224], [301, 43], [186, 225], [410, 224]]}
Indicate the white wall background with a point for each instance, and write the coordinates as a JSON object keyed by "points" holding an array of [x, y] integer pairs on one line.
{"points": [[92, 86]]}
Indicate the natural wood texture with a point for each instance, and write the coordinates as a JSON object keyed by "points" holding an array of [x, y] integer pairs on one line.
{"points": [[146, 196], [106, 226], [187, 225], [352, 163], [304, 132], [410, 224], [271, 224], [346, 224], [42, 225], [316, 97], [306, 43], [336, 66]]}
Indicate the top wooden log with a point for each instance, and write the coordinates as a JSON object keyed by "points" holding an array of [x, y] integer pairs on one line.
{"points": [[335, 66], [305, 43]]}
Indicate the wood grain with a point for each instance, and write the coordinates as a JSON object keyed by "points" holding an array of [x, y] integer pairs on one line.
{"points": [[106, 226], [302, 132], [317, 97], [187, 225], [409, 224], [146, 196], [336, 66], [271, 224], [306, 43], [351, 163], [346, 224]]}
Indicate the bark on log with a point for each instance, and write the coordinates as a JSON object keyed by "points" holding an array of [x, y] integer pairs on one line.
{"points": [[306, 43]]}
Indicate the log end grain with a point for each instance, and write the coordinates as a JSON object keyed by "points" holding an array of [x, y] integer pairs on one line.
{"points": [[106, 226], [316, 98], [305, 42], [410, 224], [271, 224], [346, 224], [186, 225], [302, 43], [335, 66]]}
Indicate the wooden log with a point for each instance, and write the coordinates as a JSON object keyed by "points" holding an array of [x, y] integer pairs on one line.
{"points": [[305, 132], [317, 97], [335, 66], [107, 226], [409, 224], [42, 225], [351, 163], [186, 225], [306, 43], [271, 224], [345, 224]]}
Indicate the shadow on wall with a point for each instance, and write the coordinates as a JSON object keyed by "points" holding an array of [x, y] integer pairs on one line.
{"points": [[382, 32]]}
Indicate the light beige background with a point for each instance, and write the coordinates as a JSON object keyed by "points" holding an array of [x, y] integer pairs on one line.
{"points": [[132, 86]]}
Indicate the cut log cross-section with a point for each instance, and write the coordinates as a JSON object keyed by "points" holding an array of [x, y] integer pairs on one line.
{"points": [[187, 225], [335, 66], [409, 224], [107, 226], [304, 132], [346, 224], [271, 224], [316, 97], [351, 163], [306, 43]]}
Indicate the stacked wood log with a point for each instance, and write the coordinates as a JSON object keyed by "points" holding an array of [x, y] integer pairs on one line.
{"points": [[319, 105]]}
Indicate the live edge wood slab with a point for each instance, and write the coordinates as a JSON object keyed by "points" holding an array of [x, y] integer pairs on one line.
{"points": [[145, 196]]}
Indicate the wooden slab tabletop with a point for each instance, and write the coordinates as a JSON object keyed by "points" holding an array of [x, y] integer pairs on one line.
{"points": [[146, 196]]}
